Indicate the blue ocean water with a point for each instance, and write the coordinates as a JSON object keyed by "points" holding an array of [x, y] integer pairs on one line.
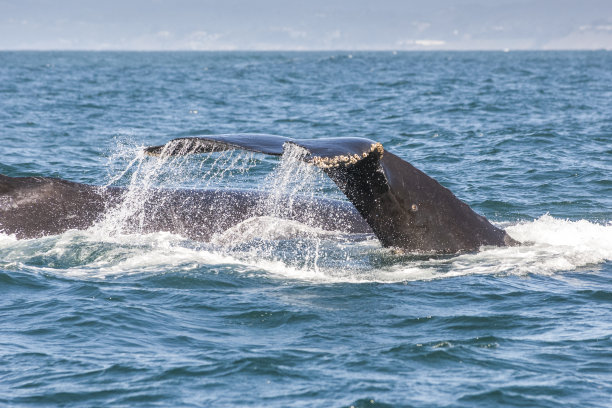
{"points": [[284, 315]]}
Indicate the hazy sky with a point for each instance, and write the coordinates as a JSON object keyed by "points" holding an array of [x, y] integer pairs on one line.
{"points": [[305, 25]]}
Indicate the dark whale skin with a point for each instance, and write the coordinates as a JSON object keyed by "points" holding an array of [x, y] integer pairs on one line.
{"points": [[32, 207], [401, 205]]}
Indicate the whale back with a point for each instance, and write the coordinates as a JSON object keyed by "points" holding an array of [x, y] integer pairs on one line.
{"points": [[38, 206], [32, 207]]}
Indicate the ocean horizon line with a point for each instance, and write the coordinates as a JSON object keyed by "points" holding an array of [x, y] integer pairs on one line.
{"points": [[292, 50]]}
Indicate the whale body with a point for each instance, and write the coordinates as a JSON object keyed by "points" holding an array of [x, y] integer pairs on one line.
{"points": [[400, 204]]}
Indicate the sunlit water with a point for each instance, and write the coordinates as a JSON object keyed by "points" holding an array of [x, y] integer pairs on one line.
{"points": [[274, 312]]}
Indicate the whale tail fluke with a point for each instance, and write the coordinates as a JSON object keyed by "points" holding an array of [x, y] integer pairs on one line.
{"points": [[404, 207]]}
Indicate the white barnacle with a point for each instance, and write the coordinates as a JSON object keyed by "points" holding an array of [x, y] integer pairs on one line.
{"points": [[350, 159]]}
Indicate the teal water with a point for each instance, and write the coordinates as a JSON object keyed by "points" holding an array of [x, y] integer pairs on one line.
{"points": [[286, 315]]}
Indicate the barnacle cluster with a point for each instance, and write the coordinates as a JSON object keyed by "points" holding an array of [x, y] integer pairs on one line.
{"points": [[346, 160]]}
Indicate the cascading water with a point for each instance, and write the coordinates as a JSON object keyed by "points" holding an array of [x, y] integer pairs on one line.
{"points": [[145, 181], [270, 233]]}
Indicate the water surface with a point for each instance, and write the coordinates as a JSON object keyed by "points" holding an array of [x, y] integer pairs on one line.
{"points": [[281, 314]]}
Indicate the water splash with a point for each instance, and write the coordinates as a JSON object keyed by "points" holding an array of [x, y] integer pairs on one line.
{"points": [[291, 177], [146, 179], [271, 233], [263, 236], [269, 242]]}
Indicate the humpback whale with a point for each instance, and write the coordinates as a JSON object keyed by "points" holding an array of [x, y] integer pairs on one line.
{"points": [[400, 204]]}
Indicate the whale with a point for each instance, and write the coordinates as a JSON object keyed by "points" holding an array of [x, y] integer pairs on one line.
{"points": [[387, 196], [34, 207]]}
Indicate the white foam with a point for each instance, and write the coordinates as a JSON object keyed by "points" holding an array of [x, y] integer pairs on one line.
{"points": [[555, 246], [550, 245], [267, 228]]}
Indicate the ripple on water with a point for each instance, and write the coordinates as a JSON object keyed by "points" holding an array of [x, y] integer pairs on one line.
{"points": [[103, 317]]}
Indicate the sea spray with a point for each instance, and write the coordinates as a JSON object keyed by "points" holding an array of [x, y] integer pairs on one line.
{"points": [[145, 182], [271, 232]]}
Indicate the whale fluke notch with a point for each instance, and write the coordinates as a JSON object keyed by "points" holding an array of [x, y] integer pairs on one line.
{"points": [[405, 207]]}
